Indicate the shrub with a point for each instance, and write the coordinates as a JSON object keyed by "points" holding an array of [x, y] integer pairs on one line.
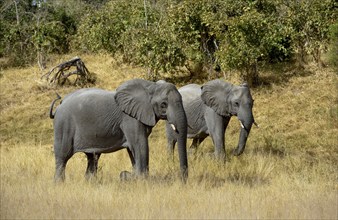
{"points": [[333, 46], [31, 31]]}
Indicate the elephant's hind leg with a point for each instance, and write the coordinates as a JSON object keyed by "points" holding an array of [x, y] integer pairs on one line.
{"points": [[196, 142], [92, 166], [60, 167], [63, 150]]}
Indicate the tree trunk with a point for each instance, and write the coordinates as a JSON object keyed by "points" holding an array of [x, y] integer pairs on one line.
{"points": [[17, 13], [317, 55], [301, 55], [251, 75]]}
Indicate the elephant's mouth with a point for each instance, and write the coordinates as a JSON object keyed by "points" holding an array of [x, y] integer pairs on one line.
{"points": [[173, 127], [162, 117], [233, 114], [244, 127]]}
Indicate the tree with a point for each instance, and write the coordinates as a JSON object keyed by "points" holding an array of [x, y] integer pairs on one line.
{"points": [[309, 21], [196, 25], [33, 29], [206, 36], [333, 46], [251, 32]]}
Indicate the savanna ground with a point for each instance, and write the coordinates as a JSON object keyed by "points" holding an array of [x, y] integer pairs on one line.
{"points": [[288, 169]]}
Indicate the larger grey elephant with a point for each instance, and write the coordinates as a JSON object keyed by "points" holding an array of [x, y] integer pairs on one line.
{"points": [[96, 121], [209, 109]]}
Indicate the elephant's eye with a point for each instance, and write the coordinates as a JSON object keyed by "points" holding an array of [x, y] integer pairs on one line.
{"points": [[236, 104], [164, 105]]}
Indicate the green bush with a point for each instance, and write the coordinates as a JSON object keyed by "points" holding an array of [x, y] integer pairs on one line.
{"points": [[30, 32], [102, 29], [308, 22], [254, 35], [202, 35], [333, 46]]}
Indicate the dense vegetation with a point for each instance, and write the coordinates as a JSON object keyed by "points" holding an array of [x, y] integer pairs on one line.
{"points": [[203, 36]]}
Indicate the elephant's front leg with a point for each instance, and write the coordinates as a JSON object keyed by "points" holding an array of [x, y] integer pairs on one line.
{"points": [[136, 134], [216, 126], [131, 157], [171, 139], [125, 175]]}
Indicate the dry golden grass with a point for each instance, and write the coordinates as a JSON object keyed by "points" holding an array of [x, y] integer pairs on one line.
{"points": [[288, 170]]}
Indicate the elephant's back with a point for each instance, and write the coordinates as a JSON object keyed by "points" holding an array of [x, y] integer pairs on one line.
{"points": [[82, 103], [87, 94], [190, 92]]}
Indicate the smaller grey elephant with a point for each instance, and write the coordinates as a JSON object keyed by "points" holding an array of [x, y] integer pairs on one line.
{"points": [[209, 109]]}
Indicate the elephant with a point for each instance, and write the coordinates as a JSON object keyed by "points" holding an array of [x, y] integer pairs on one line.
{"points": [[96, 121], [209, 109]]}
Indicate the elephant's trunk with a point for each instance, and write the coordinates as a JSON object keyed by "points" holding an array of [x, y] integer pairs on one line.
{"points": [[242, 141], [246, 120], [179, 120]]}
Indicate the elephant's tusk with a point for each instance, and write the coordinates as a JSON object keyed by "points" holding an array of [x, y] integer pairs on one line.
{"points": [[173, 127], [257, 125], [241, 124]]}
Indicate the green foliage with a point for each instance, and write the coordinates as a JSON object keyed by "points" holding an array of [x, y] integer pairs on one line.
{"points": [[333, 46], [31, 32], [253, 35], [102, 29], [134, 31], [164, 35], [196, 25], [309, 21], [154, 51]]}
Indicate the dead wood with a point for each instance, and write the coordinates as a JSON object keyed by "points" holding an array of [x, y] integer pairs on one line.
{"points": [[59, 74]]}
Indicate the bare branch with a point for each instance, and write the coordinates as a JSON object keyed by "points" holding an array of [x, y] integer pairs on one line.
{"points": [[59, 74]]}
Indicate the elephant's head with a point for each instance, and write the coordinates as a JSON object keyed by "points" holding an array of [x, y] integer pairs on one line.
{"points": [[230, 100], [149, 102]]}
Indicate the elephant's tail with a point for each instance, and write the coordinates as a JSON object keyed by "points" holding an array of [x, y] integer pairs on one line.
{"points": [[51, 115]]}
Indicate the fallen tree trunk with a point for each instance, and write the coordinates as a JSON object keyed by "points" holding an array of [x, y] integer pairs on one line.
{"points": [[60, 74]]}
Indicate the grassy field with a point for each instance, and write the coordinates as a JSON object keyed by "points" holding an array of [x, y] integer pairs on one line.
{"points": [[288, 169]]}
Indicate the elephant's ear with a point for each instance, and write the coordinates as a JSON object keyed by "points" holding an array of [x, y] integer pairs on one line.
{"points": [[134, 100], [215, 94]]}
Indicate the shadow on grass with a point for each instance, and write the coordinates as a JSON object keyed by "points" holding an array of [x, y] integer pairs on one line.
{"points": [[250, 179], [181, 80], [272, 147], [247, 180], [281, 73], [209, 180]]}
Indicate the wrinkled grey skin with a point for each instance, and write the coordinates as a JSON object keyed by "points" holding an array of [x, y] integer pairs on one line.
{"points": [[209, 109], [94, 121]]}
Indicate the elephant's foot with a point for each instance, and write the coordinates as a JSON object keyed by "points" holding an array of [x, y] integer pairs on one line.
{"points": [[238, 152], [192, 151], [90, 176], [58, 180], [220, 156], [126, 176]]}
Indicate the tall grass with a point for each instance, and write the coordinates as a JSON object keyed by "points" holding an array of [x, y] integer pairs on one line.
{"points": [[288, 170]]}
